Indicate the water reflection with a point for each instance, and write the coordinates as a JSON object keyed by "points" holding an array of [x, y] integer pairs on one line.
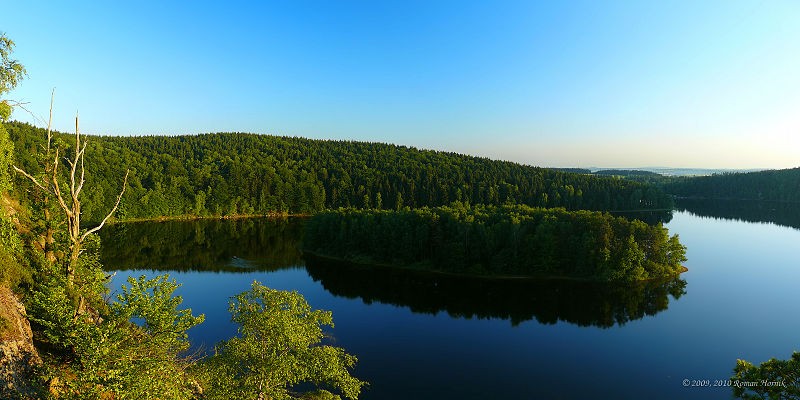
{"points": [[580, 303], [784, 214], [242, 245], [235, 246], [651, 217]]}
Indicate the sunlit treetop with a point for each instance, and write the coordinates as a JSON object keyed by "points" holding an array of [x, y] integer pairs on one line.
{"points": [[11, 72]]}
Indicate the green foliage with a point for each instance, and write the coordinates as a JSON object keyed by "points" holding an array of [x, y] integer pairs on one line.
{"points": [[6, 160], [237, 173], [51, 306], [110, 357], [774, 185], [278, 347], [151, 301], [13, 267], [499, 241], [5, 110], [778, 213], [772, 379], [11, 71], [55, 303]]}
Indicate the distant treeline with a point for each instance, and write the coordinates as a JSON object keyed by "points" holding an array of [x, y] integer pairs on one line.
{"points": [[779, 213], [774, 185], [626, 173], [238, 173], [499, 241]]}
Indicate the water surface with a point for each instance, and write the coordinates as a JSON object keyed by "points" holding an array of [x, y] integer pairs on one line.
{"points": [[424, 337]]}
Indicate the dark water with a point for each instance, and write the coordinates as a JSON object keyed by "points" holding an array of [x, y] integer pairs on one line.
{"points": [[424, 337]]}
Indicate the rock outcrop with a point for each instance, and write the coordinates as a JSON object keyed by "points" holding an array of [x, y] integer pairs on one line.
{"points": [[18, 356]]}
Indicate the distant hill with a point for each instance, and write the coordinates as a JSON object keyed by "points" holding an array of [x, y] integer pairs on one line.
{"points": [[773, 185], [625, 172], [574, 170], [240, 173], [674, 172]]}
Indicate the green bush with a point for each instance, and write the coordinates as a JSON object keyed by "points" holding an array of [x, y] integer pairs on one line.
{"points": [[13, 269]]}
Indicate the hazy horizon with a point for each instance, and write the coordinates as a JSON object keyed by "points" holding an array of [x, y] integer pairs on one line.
{"points": [[684, 84]]}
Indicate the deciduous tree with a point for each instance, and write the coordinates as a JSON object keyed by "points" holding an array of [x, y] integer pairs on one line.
{"points": [[773, 379], [278, 346]]}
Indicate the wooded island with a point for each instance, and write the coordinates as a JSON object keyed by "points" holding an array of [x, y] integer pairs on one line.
{"points": [[499, 241]]}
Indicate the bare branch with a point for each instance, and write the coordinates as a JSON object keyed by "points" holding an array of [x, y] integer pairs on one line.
{"points": [[57, 189], [113, 210], [21, 106], [50, 122], [74, 164], [83, 171], [34, 180], [14, 103]]}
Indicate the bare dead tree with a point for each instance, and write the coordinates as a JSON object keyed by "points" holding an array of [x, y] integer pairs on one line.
{"points": [[48, 237], [67, 195]]}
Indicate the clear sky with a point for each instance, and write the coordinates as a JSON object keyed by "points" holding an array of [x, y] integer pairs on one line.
{"points": [[712, 84]]}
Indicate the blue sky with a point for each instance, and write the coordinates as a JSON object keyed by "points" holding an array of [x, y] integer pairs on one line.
{"points": [[710, 84]]}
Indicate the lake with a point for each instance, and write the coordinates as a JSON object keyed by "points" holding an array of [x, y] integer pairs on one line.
{"points": [[423, 337]]}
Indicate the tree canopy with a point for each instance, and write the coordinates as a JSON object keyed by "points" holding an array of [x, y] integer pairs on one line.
{"points": [[279, 345], [773, 185], [238, 173], [11, 72], [773, 379], [512, 240]]}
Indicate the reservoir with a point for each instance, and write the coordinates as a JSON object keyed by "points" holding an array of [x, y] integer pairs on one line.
{"points": [[433, 337]]}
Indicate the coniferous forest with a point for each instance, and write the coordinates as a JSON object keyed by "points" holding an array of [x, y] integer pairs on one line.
{"points": [[772, 185]]}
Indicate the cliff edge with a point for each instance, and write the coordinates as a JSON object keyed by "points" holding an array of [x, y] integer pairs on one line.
{"points": [[18, 356]]}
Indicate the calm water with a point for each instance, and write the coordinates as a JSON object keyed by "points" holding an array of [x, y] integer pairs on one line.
{"points": [[421, 337]]}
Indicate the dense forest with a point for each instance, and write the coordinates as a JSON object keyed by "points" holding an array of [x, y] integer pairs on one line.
{"points": [[62, 337], [237, 173], [773, 185], [74, 342], [499, 241], [778, 213]]}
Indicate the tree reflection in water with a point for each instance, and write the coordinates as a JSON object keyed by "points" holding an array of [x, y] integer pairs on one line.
{"points": [[240, 245], [247, 245], [518, 300]]}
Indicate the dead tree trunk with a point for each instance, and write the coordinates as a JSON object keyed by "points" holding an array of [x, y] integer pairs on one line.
{"points": [[68, 197]]}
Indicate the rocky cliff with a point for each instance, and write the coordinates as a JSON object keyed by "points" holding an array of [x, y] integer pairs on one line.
{"points": [[18, 356]]}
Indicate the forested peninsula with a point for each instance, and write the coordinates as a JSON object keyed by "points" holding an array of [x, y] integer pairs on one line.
{"points": [[236, 173], [504, 241]]}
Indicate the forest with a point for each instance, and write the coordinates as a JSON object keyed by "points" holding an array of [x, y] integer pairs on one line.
{"points": [[508, 241], [387, 204], [778, 213], [773, 185], [236, 173]]}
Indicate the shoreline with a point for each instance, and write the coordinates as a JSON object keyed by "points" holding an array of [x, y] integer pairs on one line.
{"points": [[361, 264], [207, 217]]}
